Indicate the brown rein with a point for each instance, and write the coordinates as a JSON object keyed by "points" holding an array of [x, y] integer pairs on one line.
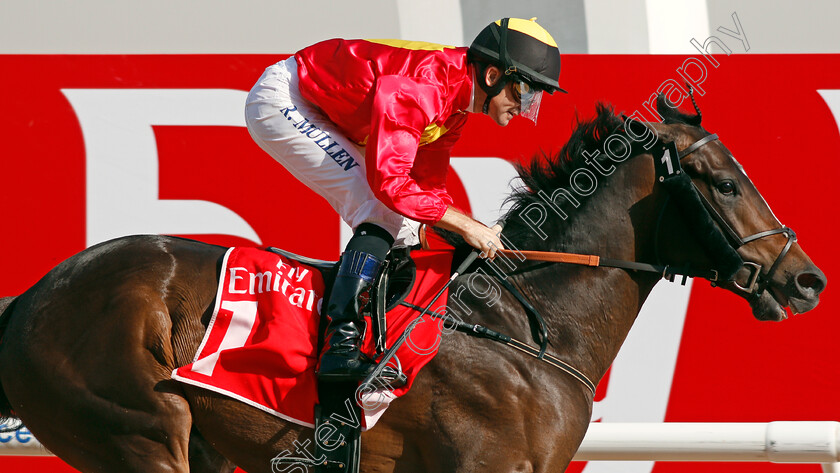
{"points": [[553, 257], [666, 271]]}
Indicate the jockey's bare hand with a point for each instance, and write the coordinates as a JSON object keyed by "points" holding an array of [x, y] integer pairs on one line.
{"points": [[475, 233]]}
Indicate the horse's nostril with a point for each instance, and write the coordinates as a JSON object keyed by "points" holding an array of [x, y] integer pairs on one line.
{"points": [[811, 281]]}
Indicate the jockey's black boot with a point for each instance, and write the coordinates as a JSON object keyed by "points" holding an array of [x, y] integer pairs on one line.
{"points": [[357, 270], [343, 360]]}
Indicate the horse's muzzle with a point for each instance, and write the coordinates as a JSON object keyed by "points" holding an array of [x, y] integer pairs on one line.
{"points": [[803, 290]]}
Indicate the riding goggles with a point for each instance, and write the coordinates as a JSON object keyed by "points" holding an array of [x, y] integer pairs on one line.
{"points": [[529, 99]]}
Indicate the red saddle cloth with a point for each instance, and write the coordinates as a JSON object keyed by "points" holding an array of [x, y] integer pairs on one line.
{"points": [[260, 347]]}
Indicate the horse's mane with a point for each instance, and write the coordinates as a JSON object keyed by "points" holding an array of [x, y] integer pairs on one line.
{"points": [[548, 172]]}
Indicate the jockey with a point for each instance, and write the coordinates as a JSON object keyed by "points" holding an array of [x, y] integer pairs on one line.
{"points": [[369, 124]]}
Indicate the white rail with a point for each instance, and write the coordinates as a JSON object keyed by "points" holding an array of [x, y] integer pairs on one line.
{"points": [[778, 442], [21, 443]]}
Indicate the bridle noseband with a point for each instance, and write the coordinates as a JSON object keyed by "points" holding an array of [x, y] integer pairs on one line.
{"points": [[757, 283]]}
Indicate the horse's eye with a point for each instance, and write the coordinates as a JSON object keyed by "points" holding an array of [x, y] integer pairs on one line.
{"points": [[726, 188]]}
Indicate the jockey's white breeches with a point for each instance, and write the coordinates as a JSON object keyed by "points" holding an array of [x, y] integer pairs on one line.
{"points": [[301, 138]]}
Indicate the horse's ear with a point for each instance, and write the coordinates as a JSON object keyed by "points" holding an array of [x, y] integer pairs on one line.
{"points": [[663, 106], [671, 114]]}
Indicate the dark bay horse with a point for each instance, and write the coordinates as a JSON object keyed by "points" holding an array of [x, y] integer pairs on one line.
{"points": [[87, 352]]}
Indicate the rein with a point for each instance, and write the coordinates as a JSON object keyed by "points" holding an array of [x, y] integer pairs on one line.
{"points": [[666, 271], [480, 331], [754, 287], [670, 173]]}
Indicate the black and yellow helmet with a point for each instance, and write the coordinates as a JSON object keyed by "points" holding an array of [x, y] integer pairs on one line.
{"points": [[522, 49]]}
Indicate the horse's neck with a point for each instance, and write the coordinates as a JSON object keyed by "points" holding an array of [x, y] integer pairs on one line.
{"points": [[589, 311]]}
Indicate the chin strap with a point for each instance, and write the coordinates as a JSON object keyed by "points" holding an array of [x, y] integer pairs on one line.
{"points": [[490, 90], [504, 57]]}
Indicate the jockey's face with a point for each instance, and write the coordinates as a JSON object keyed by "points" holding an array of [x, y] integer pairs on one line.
{"points": [[504, 106]]}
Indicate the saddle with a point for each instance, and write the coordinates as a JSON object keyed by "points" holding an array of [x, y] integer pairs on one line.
{"points": [[338, 413], [391, 287]]}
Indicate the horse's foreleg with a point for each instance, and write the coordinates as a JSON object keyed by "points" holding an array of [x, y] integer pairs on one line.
{"points": [[247, 436], [204, 458]]}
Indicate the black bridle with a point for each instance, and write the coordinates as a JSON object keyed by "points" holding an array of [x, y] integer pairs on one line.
{"points": [[757, 282], [718, 235], [682, 189]]}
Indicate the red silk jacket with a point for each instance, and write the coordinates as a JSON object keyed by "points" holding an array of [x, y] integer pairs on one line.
{"points": [[405, 102]]}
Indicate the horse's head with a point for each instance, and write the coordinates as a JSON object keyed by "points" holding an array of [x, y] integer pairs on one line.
{"points": [[774, 272]]}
